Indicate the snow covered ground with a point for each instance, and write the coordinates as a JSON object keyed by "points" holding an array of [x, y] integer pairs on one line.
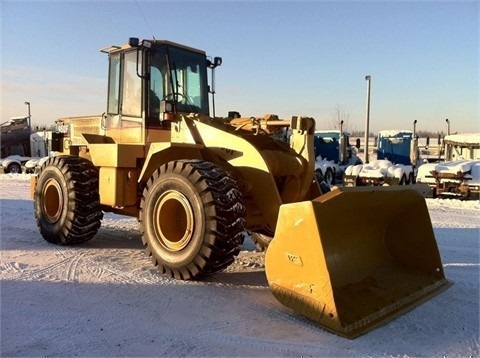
{"points": [[104, 298]]}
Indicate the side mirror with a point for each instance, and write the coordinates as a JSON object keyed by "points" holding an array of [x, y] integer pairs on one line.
{"points": [[217, 61]]}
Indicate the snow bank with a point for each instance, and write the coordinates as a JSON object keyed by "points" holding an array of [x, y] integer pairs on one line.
{"points": [[15, 177]]}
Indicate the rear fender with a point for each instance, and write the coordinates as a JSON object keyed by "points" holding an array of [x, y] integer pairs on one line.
{"points": [[162, 153]]}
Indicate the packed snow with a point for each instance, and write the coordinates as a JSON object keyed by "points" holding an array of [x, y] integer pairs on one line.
{"points": [[380, 168], [104, 297], [470, 167]]}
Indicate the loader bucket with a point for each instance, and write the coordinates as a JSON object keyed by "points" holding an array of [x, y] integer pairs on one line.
{"points": [[355, 258]]}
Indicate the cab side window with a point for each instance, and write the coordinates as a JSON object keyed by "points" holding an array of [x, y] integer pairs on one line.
{"points": [[132, 86], [156, 91], [114, 84]]}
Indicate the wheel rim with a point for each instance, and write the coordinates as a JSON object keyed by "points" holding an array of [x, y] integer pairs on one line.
{"points": [[173, 221], [329, 177], [52, 200], [15, 169]]}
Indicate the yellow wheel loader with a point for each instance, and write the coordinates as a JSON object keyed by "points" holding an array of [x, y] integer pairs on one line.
{"points": [[349, 259]]}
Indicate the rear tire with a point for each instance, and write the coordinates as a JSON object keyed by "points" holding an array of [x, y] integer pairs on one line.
{"points": [[329, 177], [324, 187], [67, 202], [191, 219], [411, 179], [14, 168]]}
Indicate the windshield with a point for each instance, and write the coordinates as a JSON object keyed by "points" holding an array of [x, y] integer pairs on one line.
{"points": [[178, 75]]}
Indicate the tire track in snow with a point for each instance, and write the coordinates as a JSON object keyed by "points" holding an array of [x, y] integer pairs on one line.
{"points": [[50, 272], [72, 271], [125, 277], [12, 267]]}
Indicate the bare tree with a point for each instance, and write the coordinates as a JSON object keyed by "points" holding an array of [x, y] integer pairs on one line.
{"points": [[339, 114]]}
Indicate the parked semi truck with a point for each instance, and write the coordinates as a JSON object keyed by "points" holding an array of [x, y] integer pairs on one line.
{"points": [[396, 162], [458, 176], [333, 153], [196, 183]]}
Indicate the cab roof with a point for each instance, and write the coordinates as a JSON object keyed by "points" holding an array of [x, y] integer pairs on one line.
{"points": [[148, 43]]}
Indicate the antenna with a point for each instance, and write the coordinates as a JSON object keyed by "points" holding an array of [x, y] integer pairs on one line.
{"points": [[144, 17]]}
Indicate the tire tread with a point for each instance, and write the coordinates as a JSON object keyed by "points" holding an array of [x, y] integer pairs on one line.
{"points": [[84, 210], [224, 218]]}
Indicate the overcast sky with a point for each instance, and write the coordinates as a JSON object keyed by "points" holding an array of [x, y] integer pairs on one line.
{"points": [[282, 57]]}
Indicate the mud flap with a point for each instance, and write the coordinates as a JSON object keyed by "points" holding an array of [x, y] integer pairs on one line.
{"points": [[355, 258]]}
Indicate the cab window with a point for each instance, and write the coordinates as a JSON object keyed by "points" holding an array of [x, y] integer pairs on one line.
{"points": [[132, 86], [114, 84]]}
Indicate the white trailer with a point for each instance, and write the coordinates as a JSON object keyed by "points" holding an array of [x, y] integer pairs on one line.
{"points": [[459, 175]]}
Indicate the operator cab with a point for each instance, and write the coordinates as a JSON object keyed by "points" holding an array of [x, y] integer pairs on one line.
{"points": [[152, 80]]}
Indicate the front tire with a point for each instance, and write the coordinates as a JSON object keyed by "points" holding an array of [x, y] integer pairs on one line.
{"points": [[191, 219], [67, 202]]}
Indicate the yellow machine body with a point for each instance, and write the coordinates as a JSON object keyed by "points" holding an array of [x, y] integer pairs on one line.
{"points": [[350, 259]]}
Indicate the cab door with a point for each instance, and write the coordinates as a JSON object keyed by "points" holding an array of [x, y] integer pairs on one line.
{"points": [[124, 117]]}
